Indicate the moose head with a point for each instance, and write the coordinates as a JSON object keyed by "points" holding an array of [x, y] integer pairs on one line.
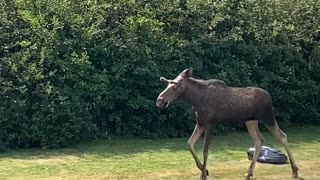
{"points": [[175, 88]]}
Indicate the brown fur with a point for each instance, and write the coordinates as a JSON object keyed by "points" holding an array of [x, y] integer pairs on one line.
{"points": [[220, 103]]}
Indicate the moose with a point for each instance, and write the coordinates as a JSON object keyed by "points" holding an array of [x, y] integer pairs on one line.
{"points": [[214, 102]]}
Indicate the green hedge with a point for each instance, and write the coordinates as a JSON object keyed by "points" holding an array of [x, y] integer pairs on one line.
{"points": [[77, 70]]}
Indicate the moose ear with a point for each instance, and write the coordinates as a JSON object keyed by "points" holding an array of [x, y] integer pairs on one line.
{"points": [[187, 73], [162, 79]]}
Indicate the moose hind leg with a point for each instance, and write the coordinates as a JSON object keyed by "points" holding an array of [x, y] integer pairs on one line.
{"points": [[253, 130], [282, 137]]}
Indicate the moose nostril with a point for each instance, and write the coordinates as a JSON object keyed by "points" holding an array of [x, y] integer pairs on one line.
{"points": [[159, 101]]}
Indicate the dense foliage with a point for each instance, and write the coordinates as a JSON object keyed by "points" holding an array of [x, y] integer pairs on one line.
{"points": [[77, 70]]}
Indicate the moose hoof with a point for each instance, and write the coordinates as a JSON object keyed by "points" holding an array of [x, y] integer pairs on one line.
{"points": [[203, 177], [295, 176], [247, 176]]}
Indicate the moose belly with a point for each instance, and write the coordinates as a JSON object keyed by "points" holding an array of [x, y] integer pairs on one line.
{"points": [[235, 121], [235, 118]]}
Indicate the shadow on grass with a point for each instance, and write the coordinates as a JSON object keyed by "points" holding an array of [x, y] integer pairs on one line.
{"points": [[126, 147]]}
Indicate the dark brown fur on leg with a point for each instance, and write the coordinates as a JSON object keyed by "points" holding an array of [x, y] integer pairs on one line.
{"points": [[207, 140]]}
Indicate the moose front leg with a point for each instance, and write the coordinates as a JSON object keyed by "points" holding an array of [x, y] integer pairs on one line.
{"points": [[197, 132], [207, 140]]}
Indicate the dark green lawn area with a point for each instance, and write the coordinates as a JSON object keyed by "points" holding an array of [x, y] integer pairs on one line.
{"points": [[162, 159]]}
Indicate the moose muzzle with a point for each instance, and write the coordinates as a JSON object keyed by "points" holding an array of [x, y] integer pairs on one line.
{"points": [[161, 102]]}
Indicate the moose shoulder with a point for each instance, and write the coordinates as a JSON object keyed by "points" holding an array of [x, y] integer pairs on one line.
{"points": [[215, 102]]}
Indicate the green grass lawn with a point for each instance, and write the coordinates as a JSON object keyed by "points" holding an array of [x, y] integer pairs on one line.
{"points": [[162, 159]]}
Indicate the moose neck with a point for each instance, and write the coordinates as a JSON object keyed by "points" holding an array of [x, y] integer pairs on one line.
{"points": [[194, 93]]}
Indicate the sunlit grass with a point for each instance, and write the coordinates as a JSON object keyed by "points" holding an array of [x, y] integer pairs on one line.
{"points": [[162, 159]]}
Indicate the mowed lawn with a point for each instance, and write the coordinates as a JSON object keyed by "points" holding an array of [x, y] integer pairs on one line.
{"points": [[162, 159]]}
